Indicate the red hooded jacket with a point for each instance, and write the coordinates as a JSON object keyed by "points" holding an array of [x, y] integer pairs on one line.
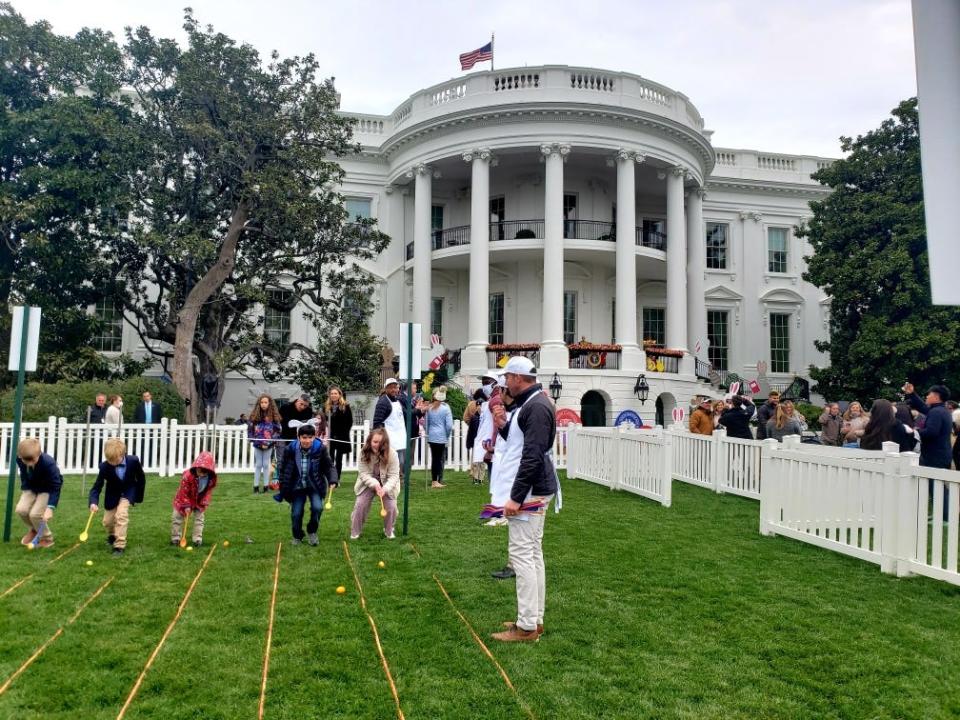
{"points": [[188, 497]]}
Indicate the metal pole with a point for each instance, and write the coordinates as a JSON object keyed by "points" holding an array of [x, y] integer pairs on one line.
{"points": [[409, 418], [492, 51], [17, 412], [87, 440]]}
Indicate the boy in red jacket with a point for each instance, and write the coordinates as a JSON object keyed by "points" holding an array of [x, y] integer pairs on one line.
{"points": [[193, 497]]}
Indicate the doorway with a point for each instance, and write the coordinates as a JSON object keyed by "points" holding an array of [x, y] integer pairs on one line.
{"points": [[593, 409]]}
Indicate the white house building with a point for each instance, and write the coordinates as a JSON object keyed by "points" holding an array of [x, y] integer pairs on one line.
{"points": [[549, 207]]}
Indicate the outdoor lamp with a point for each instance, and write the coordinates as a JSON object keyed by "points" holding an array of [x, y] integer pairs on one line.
{"points": [[641, 389], [556, 387]]}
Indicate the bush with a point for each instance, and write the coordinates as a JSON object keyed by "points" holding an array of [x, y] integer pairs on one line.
{"points": [[70, 400], [811, 414], [456, 399]]}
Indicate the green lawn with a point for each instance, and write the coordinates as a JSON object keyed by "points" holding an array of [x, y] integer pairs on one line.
{"points": [[682, 612]]}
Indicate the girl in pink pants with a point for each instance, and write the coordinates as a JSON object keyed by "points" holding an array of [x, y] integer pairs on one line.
{"points": [[378, 476]]}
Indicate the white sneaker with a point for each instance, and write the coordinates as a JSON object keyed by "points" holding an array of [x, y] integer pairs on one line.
{"points": [[391, 536], [313, 540]]}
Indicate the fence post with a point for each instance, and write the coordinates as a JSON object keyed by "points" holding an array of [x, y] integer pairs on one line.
{"points": [[170, 461], [50, 446], [889, 529], [65, 459], [908, 498], [571, 440], [717, 456], [768, 503], [617, 459], [791, 441], [666, 483], [162, 444]]}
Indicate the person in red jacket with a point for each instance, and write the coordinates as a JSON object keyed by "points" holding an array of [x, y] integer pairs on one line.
{"points": [[193, 497]]}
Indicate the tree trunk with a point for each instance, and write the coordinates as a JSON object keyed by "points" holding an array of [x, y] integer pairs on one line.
{"points": [[188, 316]]}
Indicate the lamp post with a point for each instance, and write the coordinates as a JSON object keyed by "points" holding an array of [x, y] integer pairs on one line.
{"points": [[641, 389], [556, 387]]}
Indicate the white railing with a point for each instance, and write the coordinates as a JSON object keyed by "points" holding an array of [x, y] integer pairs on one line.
{"points": [[638, 461], [717, 462], [168, 447], [928, 542]]}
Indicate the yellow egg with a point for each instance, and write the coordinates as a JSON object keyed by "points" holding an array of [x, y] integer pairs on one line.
{"points": [[226, 543], [89, 562], [341, 590], [381, 564], [31, 546], [189, 548]]}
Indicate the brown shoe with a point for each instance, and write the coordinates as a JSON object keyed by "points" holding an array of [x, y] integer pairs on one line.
{"points": [[46, 542], [511, 624], [28, 538], [516, 634], [437, 485]]}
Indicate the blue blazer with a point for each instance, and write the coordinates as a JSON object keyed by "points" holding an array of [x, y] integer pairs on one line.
{"points": [[131, 487], [45, 478]]}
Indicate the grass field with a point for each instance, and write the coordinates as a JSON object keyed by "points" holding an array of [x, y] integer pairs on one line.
{"points": [[683, 612]]}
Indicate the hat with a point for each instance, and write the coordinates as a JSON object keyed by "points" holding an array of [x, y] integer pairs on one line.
{"points": [[502, 381], [306, 430], [440, 393], [519, 365], [942, 390], [488, 376], [305, 397], [390, 381], [703, 400]]}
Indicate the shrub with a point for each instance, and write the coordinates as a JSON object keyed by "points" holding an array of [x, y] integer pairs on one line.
{"points": [[811, 414], [70, 400], [456, 399]]}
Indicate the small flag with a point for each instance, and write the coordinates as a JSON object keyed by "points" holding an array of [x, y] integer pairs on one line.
{"points": [[754, 387], [469, 59], [697, 347]]}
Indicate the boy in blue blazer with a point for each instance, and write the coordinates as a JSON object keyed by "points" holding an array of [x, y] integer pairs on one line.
{"points": [[125, 483]]}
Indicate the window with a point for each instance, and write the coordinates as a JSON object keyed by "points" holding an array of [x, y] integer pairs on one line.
{"points": [[655, 234], [436, 226], [110, 335], [655, 326], [569, 317], [495, 322], [779, 343], [497, 216], [717, 335], [357, 207], [436, 316], [717, 245], [569, 215], [276, 318], [777, 250]]}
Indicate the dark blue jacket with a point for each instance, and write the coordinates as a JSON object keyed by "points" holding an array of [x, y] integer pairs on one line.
{"points": [[935, 433], [45, 478], [320, 471], [131, 487]]}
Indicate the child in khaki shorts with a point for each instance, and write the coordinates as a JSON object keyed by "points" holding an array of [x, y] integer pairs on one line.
{"points": [[125, 482], [40, 483]]}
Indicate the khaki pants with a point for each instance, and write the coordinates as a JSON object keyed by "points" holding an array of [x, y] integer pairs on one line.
{"points": [[526, 558], [30, 508], [115, 521], [176, 526]]}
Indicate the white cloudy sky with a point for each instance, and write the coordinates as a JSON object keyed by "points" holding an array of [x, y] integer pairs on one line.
{"points": [[776, 75]]}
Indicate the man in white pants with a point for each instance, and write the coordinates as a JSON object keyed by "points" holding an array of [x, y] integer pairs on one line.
{"points": [[527, 440]]}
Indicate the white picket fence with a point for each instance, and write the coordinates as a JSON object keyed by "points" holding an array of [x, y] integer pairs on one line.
{"points": [[876, 506], [166, 448]]}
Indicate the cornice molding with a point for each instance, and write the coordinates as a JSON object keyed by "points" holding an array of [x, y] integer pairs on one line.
{"points": [[767, 187]]}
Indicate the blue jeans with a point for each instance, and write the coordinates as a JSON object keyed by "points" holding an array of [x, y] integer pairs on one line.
{"points": [[297, 506]]}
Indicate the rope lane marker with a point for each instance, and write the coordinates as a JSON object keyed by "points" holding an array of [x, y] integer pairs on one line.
{"points": [[376, 635], [17, 584], [65, 553], [486, 650], [266, 655], [39, 651], [156, 651]]}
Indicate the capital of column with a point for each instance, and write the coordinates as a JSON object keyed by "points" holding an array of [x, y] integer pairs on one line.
{"points": [[561, 149], [750, 215], [624, 154], [478, 153], [422, 169], [678, 171], [698, 192]]}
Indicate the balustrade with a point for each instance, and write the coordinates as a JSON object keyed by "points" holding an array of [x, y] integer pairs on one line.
{"points": [[651, 239], [516, 82]]}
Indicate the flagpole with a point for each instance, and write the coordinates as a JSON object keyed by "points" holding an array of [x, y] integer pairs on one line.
{"points": [[491, 51]]}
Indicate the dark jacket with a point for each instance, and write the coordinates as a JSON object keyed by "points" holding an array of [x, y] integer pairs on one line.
{"points": [[44, 478], [131, 487], [289, 412], [764, 413], [935, 433], [140, 414], [898, 434], [538, 423], [341, 421], [474, 426], [320, 471], [98, 414], [830, 429], [736, 421]]}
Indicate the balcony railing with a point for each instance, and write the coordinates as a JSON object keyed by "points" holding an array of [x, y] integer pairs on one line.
{"points": [[658, 362], [498, 355], [703, 369], [594, 359], [600, 230]]}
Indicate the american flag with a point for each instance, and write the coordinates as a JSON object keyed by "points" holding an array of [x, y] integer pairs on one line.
{"points": [[469, 59]]}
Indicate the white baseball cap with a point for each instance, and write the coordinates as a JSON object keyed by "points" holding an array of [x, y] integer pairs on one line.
{"points": [[502, 381], [488, 376], [519, 365], [390, 381]]}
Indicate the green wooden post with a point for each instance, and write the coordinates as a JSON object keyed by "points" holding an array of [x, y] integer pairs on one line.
{"points": [[17, 412]]}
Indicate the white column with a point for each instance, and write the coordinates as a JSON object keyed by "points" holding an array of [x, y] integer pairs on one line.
{"points": [[676, 261], [696, 266], [553, 351], [626, 261], [422, 252], [474, 358]]}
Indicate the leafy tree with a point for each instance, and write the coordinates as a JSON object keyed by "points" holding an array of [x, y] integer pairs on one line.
{"points": [[870, 257], [347, 354], [61, 153], [235, 195]]}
